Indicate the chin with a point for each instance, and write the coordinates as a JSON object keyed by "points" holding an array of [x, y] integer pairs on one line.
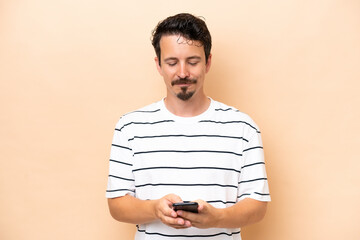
{"points": [[185, 96]]}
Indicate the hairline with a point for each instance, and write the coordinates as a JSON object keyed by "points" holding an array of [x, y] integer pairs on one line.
{"points": [[180, 35]]}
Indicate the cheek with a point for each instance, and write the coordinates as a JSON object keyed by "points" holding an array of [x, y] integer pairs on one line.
{"points": [[199, 72], [168, 77], [198, 75], [168, 73]]}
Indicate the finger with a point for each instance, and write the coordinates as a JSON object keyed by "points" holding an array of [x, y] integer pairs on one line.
{"points": [[165, 207], [191, 217], [173, 222], [178, 227], [167, 211], [186, 224], [201, 207], [201, 204]]}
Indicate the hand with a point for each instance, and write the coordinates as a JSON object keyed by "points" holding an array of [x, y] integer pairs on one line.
{"points": [[207, 216], [164, 212]]}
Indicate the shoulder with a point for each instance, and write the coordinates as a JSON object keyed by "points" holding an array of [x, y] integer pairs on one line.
{"points": [[151, 108], [227, 113], [145, 113]]}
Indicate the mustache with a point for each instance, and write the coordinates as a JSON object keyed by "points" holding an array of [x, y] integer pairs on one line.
{"points": [[183, 81]]}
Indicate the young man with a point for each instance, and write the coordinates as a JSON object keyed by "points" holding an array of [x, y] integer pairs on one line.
{"points": [[186, 147]]}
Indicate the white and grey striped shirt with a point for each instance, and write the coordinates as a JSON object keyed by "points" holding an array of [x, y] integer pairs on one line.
{"points": [[216, 156]]}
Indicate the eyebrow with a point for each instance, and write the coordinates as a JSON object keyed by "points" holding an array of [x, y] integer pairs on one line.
{"points": [[194, 57], [170, 59], [175, 59]]}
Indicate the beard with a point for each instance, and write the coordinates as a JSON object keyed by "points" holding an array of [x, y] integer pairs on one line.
{"points": [[184, 94]]}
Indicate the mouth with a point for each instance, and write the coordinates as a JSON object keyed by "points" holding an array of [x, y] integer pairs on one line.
{"points": [[183, 86]]}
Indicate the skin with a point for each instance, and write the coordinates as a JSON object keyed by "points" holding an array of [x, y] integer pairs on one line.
{"points": [[245, 212], [181, 59]]}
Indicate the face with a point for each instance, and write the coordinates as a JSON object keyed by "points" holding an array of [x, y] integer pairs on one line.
{"points": [[183, 67]]}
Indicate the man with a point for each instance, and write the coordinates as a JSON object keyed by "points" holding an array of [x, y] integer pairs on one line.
{"points": [[186, 147]]}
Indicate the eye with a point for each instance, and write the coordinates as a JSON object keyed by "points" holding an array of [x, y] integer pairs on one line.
{"points": [[193, 63], [171, 63]]}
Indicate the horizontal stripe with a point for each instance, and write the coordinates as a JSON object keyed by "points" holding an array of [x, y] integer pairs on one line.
{"points": [[189, 136], [126, 179], [185, 185], [189, 151], [224, 110], [253, 164], [146, 111], [248, 194], [143, 123], [253, 180], [119, 190], [262, 194], [245, 194], [142, 111], [188, 236], [220, 201], [228, 122], [215, 201], [121, 147], [187, 168], [112, 160], [253, 148]]}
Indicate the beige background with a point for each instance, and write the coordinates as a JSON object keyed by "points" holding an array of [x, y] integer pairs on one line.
{"points": [[69, 69]]}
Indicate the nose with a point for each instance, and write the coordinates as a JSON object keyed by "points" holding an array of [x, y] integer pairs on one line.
{"points": [[183, 71]]}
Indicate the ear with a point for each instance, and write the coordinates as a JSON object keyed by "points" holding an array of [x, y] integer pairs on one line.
{"points": [[158, 67], [208, 64]]}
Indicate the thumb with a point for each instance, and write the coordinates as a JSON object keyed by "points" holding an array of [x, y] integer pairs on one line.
{"points": [[174, 198], [202, 205]]}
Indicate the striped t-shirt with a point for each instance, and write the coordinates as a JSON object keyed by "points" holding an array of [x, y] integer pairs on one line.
{"points": [[216, 156]]}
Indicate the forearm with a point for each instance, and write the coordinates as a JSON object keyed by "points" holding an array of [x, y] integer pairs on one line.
{"points": [[132, 210], [245, 212]]}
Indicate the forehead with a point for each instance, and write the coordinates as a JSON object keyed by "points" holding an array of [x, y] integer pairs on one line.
{"points": [[178, 46]]}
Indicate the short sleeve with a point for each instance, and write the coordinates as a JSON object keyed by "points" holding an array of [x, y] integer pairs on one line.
{"points": [[121, 179], [253, 182]]}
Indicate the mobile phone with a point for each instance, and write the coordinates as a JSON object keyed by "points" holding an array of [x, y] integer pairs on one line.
{"points": [[186, 206]]}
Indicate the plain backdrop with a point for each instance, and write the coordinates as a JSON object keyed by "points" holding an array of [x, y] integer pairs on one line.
{"points": [[70, 68]]}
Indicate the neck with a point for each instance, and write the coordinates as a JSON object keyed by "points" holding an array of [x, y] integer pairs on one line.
{"points": [[189, 108]]}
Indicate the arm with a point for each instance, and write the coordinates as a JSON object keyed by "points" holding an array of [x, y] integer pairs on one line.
{"points": [[132, 210], [245, 212]]}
